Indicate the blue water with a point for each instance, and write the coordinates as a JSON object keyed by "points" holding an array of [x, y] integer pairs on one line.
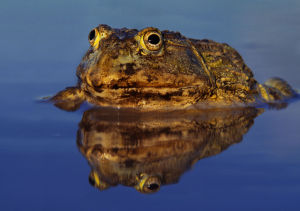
{"points": [[43, 42]]}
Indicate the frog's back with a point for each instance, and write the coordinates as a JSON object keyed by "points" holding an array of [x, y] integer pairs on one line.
{"points": [[232, 79]]}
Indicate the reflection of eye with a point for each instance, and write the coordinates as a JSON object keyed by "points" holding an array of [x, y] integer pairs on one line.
{"points": [[92, 180], [153, 40], [148, 184], [95, 181], [153, 186]]}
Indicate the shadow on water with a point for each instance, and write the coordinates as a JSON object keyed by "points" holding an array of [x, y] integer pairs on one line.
{"points": [[147, 150]]}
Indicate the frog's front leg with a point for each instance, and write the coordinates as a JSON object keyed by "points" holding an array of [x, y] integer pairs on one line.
{"points": [[68, 99], [276, 90]]}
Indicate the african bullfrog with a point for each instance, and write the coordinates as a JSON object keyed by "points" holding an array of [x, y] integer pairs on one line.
{"points": [[152, 69]]}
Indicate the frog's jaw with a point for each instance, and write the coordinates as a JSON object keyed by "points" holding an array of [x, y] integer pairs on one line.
{"points": [[128, 84], [147, 98]]}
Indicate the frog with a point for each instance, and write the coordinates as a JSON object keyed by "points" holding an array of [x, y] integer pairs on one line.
{"points": [[150, 69]]}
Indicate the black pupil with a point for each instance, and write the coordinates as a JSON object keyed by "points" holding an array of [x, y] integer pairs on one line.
{"points": [[92, 35], [153, 39], [153, 186]]}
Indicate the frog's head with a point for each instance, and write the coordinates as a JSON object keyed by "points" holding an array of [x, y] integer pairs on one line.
{"points": [[133, 68]]}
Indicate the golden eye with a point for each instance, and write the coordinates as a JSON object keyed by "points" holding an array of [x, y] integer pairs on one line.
{"points": [[153, 40], [94, 37]]}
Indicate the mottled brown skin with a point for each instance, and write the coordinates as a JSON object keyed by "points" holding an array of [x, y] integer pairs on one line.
{"points": [[152, 69], [147, 150]]}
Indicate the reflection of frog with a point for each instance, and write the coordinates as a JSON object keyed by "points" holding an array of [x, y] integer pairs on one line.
{"points": [[152, 69], [146, 150]]}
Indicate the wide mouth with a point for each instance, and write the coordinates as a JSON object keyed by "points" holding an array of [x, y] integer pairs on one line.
{"points": [[99, 79], [133, 87], [164, 92]]}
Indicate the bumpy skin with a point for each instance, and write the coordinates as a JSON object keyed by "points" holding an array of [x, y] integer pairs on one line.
{"points": [[152, 69]]}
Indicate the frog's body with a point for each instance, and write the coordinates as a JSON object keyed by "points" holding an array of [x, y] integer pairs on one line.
{"points": [[152, 69]]}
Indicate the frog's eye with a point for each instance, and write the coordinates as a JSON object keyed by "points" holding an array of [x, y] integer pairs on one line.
{"points": [[148, 184], [151, 187], [153, 40], [92, 180], [94, 37], [95, 181]]}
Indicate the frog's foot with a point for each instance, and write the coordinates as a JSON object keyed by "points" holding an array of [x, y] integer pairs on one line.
{"points": [[69, 99], [281, 86], [275, 92]]}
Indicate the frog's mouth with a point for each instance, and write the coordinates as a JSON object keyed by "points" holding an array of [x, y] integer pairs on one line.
{"points": [[145, 96], [145, 87], [161, 81]]}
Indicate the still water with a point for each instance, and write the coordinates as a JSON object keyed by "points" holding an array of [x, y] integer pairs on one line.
{"points": [[241, 159]]}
